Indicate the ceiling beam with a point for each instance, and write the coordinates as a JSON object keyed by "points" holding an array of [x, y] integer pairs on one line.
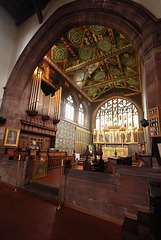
{"points": [[86, 71], [110, 31], [90, 38], [38, 10], [48, 60], [112, 80], [98, 58], [69, 48], [76, 58]]}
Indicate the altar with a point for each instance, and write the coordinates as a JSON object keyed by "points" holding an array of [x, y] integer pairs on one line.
{"points": [[113, 151], [118, 141]]}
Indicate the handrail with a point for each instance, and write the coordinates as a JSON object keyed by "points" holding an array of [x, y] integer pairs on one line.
{"points": [[60, 180]]}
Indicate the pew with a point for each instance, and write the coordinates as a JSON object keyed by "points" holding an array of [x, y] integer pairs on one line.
{"points": [[55, 157], [117, 161]]}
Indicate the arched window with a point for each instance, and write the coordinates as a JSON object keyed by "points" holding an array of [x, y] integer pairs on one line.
{"points": [[81, 114], [117, 112], [69, 109]]}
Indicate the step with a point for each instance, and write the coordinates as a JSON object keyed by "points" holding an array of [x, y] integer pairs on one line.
{"points": [[144, 219], [142, 209], [130, 229], [130, 215], [144, 223], [44, 190]]}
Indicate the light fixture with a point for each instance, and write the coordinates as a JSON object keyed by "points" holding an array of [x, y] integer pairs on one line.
{"points": [[144, 122]]}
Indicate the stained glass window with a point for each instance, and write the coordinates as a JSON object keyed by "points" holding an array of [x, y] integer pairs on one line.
{"points": [[117, 112], [81, 115], [69, 110]]}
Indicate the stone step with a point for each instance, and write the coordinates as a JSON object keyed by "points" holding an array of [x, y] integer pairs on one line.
{"points": [[44, 190], [142, 209], [136, 228], [144, 223], [130, 229], [144, 219], [130, 215]]}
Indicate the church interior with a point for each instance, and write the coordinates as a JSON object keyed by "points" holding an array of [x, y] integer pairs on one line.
{"points": [[80, 113]]}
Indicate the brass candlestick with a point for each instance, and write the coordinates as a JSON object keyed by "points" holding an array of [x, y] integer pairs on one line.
{"points": [[60, 185], [18, 167]]}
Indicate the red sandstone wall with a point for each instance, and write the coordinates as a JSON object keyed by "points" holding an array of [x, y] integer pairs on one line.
{"points": [[8, 172], [111, 195]]}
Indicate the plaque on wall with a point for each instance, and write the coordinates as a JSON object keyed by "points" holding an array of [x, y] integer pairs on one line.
{"points": [[154, 122]]}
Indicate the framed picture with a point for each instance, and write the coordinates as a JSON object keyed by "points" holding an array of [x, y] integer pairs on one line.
{"points": [[100, 136], [128, 136], [134, 135], [2, 133], [107, 137], [122, 136], [12, 137], [117, 136]]}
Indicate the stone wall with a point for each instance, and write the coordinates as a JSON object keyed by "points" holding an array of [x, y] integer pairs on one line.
{"points": [[112, 195], [8, 172]]}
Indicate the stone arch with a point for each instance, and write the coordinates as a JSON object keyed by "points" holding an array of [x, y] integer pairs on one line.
{"points": [[132, 20]]}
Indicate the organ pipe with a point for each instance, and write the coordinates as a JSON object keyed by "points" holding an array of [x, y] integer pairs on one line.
{"points": [[45, 105]]}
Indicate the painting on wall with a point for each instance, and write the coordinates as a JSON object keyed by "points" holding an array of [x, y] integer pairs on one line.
{"points": [[107, 137], [12, 137], [111, 136], [116, 136], [135, 135], [100, 136], [122, 136], [128, 136]]}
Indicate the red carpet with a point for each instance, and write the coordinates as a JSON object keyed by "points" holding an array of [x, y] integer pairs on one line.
{"points": [[26, 217]]}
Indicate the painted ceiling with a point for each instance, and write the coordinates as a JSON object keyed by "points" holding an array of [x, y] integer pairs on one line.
{"points": [[96, 59]]}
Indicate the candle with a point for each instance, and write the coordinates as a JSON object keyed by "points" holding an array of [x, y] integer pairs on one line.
{"points": [[19, 157]]}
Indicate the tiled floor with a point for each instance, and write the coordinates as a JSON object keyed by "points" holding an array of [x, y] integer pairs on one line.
{"points": [[27, 217]]}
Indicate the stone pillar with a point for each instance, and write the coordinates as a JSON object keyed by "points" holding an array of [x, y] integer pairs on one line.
{"points": [[152, 63]]}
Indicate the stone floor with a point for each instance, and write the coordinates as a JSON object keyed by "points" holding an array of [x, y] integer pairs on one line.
{"points": [[27, 217]]}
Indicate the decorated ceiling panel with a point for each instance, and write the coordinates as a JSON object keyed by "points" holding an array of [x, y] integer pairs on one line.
{"points": [[96, 59]]}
